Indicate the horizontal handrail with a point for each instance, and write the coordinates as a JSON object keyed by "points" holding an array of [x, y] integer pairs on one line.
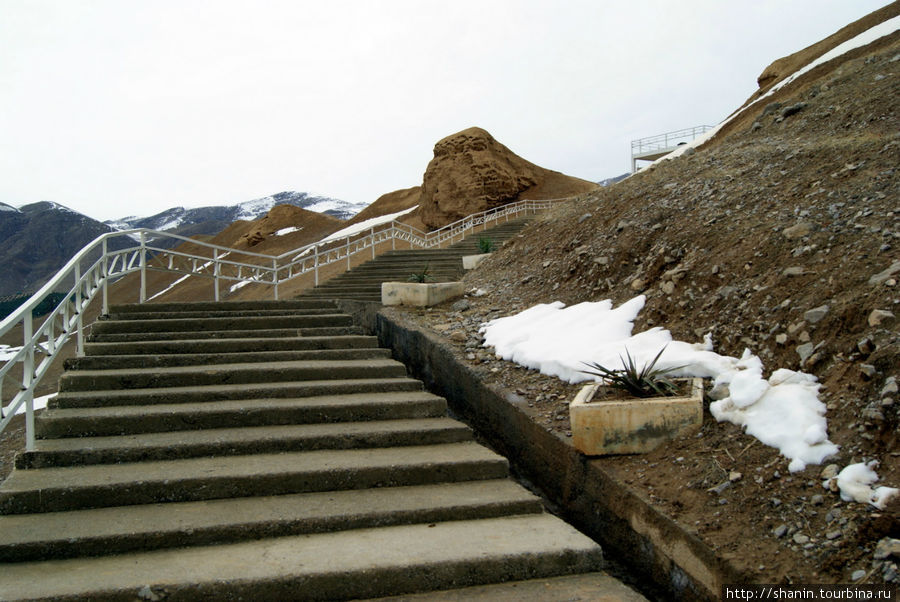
{"points": [[667, 140], [91, 270]]}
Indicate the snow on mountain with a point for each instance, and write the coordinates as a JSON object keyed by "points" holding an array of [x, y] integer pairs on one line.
{"points": [[5, 207]]}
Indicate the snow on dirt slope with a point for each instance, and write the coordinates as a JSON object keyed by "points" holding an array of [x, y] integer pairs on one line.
{"points": [[781, 236]]}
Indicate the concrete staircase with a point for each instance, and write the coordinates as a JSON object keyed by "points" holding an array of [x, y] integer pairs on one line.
{"points": [[260, 451], [363, 282]]}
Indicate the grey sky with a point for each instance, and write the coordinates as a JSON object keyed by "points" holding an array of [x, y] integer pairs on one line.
{"points": [[127, 107]]}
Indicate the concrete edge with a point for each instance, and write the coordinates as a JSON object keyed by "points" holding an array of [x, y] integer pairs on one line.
{"points": [[658, 550]]}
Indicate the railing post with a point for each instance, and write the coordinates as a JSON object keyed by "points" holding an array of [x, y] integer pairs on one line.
{"points": [[79, 315], [216, 273], [28, 378], [143, 293], [316, 264], [372, 240], [275, 276], [105, 275]]}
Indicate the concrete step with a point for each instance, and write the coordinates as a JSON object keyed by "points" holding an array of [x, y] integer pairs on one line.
{"points": [[121, 362], [367, 400], [192, 479], [192, 313], [226, 334], [172, 445], [105, 531], [229, 374], [329, 566], [219, 324], [228, 346], [597, 587], [166, 308]]}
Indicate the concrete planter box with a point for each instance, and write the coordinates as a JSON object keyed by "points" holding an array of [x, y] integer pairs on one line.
{"points": [[419, 293], [470, 262], [632, 425]]}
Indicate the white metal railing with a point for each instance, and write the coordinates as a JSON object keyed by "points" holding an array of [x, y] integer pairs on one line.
{"points": [[89, 273], [667, 140]]}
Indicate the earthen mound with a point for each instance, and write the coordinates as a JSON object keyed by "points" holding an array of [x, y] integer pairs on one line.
{"points": [[472, 172]]}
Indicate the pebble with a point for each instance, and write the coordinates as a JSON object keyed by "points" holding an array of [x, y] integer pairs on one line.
{"points": [[833, 534], [887, 547], [857, 575], [879, 316], [800, 538], [804, 351], [816, 314], [817, 500], [780, 530]]}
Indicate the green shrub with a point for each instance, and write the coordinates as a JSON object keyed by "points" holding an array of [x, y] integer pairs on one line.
{"points": [[422, 276], [486, 245], [646, 382]]}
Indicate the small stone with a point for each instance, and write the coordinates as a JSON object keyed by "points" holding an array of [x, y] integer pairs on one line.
{"points": [[461, 305], [147, 593], [798, 230], [890, 386], [868, 370], [879, 316], [804, 337], [602, 260], [817, 500], [637, 284], [793, 109], [668, 287], [833, 534], [800, 538], [857, 575], [734, 476], [582, 250], [793, 271], [780, 531], [458, 336], [805, 351], [718, 489], [547, 264], [830, 471], [865, 346], [585, 217], [886, 274], [816, 314], [781, 338], [887, 547]]}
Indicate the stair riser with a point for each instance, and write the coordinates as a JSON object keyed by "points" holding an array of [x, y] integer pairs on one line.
{"points": [[149, 453], [230, 533], [219, 324], [231, 345], [247, 391], [229, 374], [52, 499], [112, 362], [49, 427], [226, 334]]}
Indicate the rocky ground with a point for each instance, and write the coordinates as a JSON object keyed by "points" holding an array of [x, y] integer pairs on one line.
{"points": [[783, 238]]}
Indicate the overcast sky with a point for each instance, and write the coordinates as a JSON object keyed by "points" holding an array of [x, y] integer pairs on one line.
{"points": [[128, 107]]}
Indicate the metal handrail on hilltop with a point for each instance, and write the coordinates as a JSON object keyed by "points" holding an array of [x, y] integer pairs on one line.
{"points": [[667, 140], [96, 265]]}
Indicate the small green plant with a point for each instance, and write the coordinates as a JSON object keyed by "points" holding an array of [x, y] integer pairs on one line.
{"points": [[422, 276], [646, 382], [486, 245]]}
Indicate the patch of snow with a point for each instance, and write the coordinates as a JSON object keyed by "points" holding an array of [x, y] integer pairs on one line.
{"points": [[171, 286], [7, 352], [5, 207], [855, 484], [870, 35], [39, 404], [284, 231], [171, 224], [366, 224], [238, 285], [783, 411]]}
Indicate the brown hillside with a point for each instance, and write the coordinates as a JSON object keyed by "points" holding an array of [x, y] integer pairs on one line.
{"points": [[789, 212], [472, 172], [393, 202]]}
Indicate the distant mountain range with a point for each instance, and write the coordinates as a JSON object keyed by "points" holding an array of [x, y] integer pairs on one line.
{"points": [[38, 239]]}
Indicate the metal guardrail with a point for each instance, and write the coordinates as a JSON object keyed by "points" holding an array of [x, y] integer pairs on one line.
{"points": [[94, 267], [667, 140]]}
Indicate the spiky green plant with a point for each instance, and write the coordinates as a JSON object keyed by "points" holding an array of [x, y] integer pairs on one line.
{"points": [[644, 382], [486, 245], [420, 277]]}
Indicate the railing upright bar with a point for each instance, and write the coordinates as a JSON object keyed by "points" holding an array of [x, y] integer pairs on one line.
{"points": [[79, 314], [275, 277], [143, 264], [28, 377], [105, 277]]}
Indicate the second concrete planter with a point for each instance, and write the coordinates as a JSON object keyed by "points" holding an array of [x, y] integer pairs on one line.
{"points": [[422, 294]]}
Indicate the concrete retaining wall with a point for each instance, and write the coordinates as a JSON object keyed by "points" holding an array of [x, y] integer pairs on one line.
{"points": [[650, 544]]}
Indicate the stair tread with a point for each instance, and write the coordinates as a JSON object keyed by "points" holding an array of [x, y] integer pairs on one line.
{"points": [[242, 405], [190, 517], [46, 480], [225, 436], [384, 560]]}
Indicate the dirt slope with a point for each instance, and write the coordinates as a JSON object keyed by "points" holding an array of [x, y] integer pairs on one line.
{"points": [[782, 237]]}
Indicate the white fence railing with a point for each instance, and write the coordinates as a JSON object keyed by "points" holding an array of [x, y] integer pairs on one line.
{"points": [[90, 272]]}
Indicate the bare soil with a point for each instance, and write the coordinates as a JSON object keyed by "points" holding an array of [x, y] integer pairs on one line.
{"points": [[741, 239]]}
